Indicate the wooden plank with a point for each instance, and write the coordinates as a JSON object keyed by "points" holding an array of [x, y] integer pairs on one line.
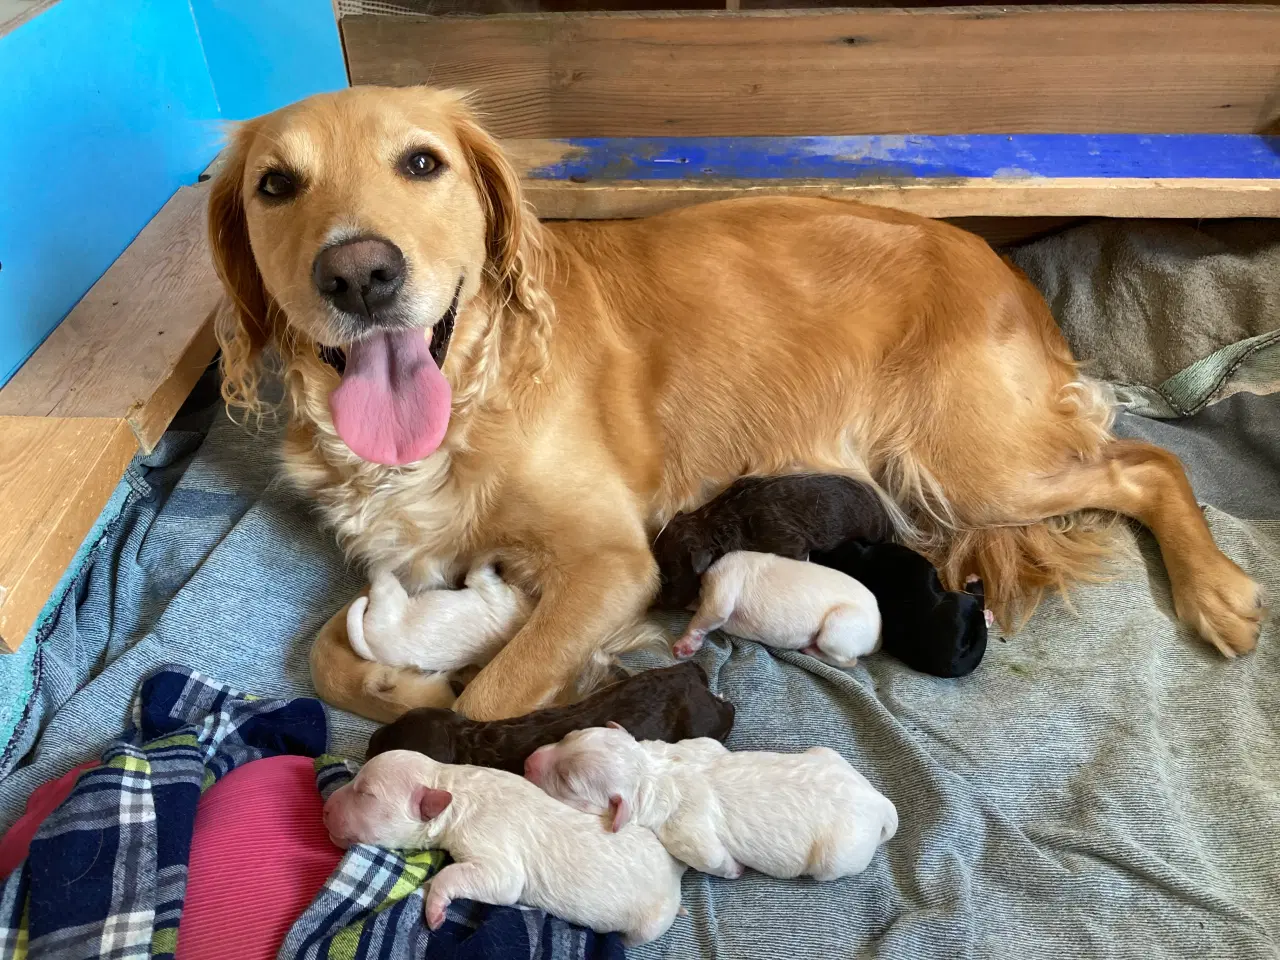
{"points": [[944, 199], [56, 475], [135, 345], [1056, 176], [867, 158], [14, 13], [1166, 69]]}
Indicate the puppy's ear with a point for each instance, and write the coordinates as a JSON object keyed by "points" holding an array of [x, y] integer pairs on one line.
{"points": [[701, 561], [431, 802], [620, 810], [615, 725], [243, 327]]}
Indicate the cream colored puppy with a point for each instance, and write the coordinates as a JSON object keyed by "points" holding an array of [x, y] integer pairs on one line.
{"points": [[436, 629], [784, 814], [785, 603], [511, 843]]}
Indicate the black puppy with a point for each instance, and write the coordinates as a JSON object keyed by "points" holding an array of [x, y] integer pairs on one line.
{"points": [[671, 704], [935, 631], [788, 516]]}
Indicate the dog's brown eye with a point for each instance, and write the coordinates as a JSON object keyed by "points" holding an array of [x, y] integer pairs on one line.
{"points": [[420, 163], [276, 185]]}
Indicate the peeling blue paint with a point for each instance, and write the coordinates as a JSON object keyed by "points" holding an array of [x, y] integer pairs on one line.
{"points": [[1168, 156]]}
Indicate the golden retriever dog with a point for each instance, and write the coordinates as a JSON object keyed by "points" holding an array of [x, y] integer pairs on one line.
{"points": [[548, 395]]}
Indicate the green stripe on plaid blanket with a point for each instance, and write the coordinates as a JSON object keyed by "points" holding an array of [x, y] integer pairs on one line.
{"points": [[373, 898], [106, 873]]}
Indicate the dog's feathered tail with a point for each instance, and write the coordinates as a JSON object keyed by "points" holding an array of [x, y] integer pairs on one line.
{"points": [[1017, 563], [602, 667]]}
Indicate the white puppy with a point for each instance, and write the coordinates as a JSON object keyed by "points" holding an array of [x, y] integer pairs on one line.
{"points": [[511, 843], [783, 814], [436, 629], [785, 603]]}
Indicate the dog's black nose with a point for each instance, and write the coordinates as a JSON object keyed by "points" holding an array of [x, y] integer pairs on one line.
{"points": [[359, 276]]}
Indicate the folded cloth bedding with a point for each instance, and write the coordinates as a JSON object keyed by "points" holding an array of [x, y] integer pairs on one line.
{"points": [[132, 857], [106, 874], [372, 909]]}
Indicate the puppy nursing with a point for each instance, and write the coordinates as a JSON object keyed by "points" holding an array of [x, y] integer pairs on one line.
{"points": [[786, 815], [788, 604], [510, 843], [436, 629]]}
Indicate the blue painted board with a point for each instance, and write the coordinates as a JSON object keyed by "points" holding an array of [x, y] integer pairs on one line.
{"points": [[1171, 156], [107, 109], [263, 54]]}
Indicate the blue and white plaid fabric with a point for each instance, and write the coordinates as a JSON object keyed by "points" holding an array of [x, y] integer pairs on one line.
{"points": [[372, 909], [106, 875], [107, 872]]}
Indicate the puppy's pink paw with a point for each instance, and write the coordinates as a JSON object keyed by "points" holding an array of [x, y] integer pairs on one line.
{"points": [[687, 647], [437, 907]]}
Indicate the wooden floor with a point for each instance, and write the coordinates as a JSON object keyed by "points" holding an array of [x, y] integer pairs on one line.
{"points": [[104, 385]]}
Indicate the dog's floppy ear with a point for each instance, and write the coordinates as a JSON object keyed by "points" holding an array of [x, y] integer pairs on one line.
{"points": [[513, 236], [431, 802], [243, 327], [621, 811]]}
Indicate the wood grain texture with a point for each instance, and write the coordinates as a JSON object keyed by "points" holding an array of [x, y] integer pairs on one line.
{"points": [[943, 199], [56, 475], [136, 343], [1166, 69]]}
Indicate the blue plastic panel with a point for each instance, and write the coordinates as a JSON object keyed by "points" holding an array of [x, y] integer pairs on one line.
{"points": [[107, 109], [263, 54]]}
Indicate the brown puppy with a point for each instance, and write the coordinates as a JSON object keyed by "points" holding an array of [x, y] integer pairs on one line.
{"points": [[789, 516], [599, 377], [671, 704]]}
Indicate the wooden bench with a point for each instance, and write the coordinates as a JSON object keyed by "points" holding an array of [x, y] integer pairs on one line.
{"points": [[103, 386]]}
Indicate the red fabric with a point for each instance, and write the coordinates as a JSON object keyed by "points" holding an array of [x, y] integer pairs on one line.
{"points": [[43, 801], [259, 855]]}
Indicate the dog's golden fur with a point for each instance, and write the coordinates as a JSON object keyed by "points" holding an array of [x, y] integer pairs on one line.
{"points": [[608, 374]]}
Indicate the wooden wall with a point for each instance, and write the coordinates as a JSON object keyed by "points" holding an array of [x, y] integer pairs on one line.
{"points": [[960, 70]]}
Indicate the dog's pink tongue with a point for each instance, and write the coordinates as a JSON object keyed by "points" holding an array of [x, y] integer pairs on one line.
{"points": [[393, 404]]}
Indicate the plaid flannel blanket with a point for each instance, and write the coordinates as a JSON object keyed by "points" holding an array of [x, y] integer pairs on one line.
{"points": [[372, 907], [106, 874]]}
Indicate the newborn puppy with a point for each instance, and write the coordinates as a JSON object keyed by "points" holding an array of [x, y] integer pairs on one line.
{"points": [[935, 631], [672, 703], [437, 629], [784, 814], [789, 516], [510, 843], [788, 604]]}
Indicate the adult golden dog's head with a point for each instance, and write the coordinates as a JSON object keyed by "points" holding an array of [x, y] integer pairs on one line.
{"points": [[381, 226]]}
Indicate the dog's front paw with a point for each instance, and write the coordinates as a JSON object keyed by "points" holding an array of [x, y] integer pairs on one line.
{"points": [[1224, 605]]}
